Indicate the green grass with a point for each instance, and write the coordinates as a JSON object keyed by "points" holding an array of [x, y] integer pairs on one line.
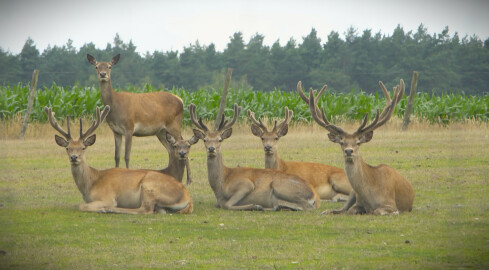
{"points": [[41, 228]]}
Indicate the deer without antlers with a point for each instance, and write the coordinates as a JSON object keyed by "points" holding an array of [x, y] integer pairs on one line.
{"points": [[119, 190], [140, 114], [377, 190], [248, 188], [329, 182]]}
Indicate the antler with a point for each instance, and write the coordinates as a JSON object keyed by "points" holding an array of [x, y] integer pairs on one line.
{"points": [[305, 98], [314, 109], [258, 122], [288, 116], [199, 124], [55, 125], [386, 112], [223, 125], [93, 127]]}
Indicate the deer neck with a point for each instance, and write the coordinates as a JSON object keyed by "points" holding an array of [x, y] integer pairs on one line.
{"points": [[216, 172], [175, 168], [106, 92], [358, 172], [84, 176], [273, 161]]}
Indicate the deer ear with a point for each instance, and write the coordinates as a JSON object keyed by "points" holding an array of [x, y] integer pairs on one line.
{"points": [[366, 137], [115, 59], [256, 130], [91, 59], [90, 140], [60, 141], [334, 137], [283, 130], [193, 140], [226, 133], [170, 138], [198, 134]]}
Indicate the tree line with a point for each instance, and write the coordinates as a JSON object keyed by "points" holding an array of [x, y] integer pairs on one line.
{"points": [[446, 63]]}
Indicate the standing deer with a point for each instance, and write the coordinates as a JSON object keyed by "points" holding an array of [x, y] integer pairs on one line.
{"points": [[119, 190], [377, 190], [329, 182], [249, 188], [140, 114]]}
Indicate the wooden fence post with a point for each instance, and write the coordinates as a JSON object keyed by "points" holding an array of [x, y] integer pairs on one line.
{"points": [[409, 106], [224, 94], [30, 102]]}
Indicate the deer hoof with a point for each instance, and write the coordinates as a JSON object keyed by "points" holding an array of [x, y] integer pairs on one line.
{"points": [[259, 207]]}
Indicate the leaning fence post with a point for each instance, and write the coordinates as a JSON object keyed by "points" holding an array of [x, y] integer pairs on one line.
{"points": [[409, 106], [30, 102], [222, 104]]}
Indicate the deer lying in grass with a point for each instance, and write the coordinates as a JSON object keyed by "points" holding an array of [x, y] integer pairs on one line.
{"points": [[249, 188], [329, 182], [179, 149], [377, 190], [140, 114], [119, 190]]}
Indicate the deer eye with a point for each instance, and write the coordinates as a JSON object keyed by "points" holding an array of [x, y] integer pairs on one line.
{"points": [[276, 138], [220, 140], [205, 140], [84, 148], [262, 138]]}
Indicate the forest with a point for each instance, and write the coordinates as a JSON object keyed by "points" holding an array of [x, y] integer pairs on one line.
{"points": [[447, 63]]}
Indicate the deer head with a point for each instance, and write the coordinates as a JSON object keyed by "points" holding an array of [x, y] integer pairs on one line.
{"points": [[270, 138], [350, 142], [76, 149], [181, 148], [213, 139], [103, 68]]}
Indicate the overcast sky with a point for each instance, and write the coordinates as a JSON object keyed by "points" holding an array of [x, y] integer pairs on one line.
{"points": [[172, 25]]}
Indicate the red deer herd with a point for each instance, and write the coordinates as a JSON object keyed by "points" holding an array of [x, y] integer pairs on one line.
{"points": [[289, 185]]}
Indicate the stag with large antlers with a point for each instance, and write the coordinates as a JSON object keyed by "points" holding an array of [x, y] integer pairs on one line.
{"points": [[119, 190], [249, 188], [377, 190], [141, 114], [329, 182]]}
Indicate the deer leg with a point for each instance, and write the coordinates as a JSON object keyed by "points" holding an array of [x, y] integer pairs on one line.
{"points": [[118, 144], [293, 194], [357, 210], [242, 191], [341, 184], [288, 205], [351, 201], [96, 206], [127, 149], [386, 210]]}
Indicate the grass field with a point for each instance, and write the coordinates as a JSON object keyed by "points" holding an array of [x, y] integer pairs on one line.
{"points": [[41, 228]]}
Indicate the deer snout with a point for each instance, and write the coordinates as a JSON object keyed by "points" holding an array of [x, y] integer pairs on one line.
{"points": [[348, 152], [103, 74], [182, 154], [268, 148], [212, 149], [73, 158]]}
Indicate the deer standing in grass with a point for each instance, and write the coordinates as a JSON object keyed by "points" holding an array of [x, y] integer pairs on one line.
{"points": [[329, 182], [249, 188], [141, 114], [377, 190], [119, 190]]}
